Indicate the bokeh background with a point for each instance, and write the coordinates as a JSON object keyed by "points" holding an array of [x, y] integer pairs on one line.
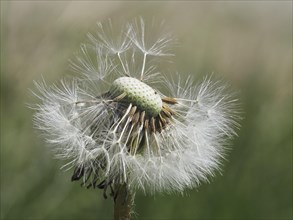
{"points": [[247, 43]]}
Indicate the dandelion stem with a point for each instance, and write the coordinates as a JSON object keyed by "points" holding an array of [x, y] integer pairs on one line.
{"points": [[123, 202]]}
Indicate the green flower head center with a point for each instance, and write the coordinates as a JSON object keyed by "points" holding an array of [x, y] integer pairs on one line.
{"points": [[131, 90]]}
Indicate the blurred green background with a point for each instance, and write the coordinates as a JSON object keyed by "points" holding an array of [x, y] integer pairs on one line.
{"points": [[249, 44]]}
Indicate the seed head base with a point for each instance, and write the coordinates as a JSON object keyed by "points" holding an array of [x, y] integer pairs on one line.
{"points": [[142, 113]]}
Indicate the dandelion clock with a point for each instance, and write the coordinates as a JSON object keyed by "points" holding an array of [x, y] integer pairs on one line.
{"points": [[123, 123]]}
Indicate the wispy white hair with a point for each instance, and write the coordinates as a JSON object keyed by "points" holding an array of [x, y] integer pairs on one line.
{"points": [[106, 140]]}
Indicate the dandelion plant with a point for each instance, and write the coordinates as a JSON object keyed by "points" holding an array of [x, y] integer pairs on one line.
{"points": [[123, 124]]}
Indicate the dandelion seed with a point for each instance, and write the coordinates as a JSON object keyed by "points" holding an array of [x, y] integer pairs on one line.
{"points": [[121, 134]]}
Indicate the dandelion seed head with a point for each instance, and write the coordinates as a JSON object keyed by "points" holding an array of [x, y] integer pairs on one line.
{"points": [[113, 125], [138, 93]]}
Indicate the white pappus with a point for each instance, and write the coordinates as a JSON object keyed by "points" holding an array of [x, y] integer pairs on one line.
{"points": [[122, 120]]}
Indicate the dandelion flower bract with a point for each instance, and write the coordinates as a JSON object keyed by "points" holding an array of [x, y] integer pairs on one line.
{"points": [[124, 120]]}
